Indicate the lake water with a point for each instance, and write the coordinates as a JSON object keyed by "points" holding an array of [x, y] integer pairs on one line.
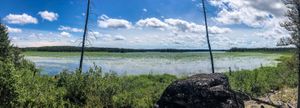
{"points": [[145, 63]]}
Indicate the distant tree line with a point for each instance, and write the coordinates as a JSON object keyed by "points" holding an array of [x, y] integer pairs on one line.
{"points": [[283, 49], [99, 49], [124, 50]]}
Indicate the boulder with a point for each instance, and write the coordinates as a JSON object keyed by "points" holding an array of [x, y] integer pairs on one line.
{"points": [[200, 91]]}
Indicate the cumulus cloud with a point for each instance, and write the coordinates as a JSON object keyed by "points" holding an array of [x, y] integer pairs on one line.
{"points": [[184, 26], [65, 34], [264, 14], [274, 7], [273, 33], [13, 30], [106, 22], [178, 25], [50, 16], [69, 29], [218, 30], [20, 19], [152, 22], [254, 13]]}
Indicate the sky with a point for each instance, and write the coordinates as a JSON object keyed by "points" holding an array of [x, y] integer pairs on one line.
{"points": [[146, 24]]}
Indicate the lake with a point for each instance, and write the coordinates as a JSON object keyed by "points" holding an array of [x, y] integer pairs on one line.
{"points": [[188, 63]]}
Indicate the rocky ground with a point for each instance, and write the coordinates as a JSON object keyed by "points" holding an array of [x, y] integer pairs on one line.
{"points": [[213, 91], [285, 97]]}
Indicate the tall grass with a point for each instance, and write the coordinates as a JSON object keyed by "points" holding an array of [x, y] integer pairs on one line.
{"points": [[265, 79]]}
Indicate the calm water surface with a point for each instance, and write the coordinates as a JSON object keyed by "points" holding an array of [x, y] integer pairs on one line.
{"points": [[144, 65]]}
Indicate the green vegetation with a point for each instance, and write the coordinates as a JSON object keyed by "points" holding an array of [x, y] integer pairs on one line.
{"points": [[274, 50], [193, 55], [91, 89], [22, 85], [265, 79]]}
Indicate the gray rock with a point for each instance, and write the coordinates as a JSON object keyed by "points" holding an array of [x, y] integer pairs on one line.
{"points": [[200, 91]]}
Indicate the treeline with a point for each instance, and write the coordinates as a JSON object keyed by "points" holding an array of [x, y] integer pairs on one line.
{"points": [[287, 49], [124, 50], [99, 49]]}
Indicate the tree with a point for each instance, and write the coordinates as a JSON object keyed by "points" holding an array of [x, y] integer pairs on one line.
{"points": [[293, 26], [4, 43], [8, 53], [7, 89]]}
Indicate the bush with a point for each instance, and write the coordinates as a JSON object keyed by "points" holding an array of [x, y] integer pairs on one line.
{"points": [[265, 79], [97, 89]]}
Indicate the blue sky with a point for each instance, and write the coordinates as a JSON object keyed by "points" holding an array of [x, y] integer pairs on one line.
{"points": [[144, 23]]}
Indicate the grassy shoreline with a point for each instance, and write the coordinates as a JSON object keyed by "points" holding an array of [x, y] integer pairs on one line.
{"points": [[263, 80]]}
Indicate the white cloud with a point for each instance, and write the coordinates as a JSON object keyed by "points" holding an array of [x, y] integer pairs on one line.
{"points": [[94, 33], [20, 19], [273, 33], [173, 25], [69, 29], [145, 10], [218, 30], [152, 22], [13, 30], [254, 13], [106, 22], [248, 16], [263, 14], [65, 34], [178, 25], [119, 38], [185, 26], [50, 16]]}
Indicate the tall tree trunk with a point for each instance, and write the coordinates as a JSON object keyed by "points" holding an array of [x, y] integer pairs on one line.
{"points": [[298, 54], [207, 37], [84, 35]]}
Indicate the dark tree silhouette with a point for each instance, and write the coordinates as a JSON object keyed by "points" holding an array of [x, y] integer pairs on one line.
{"points": [[293, 25], [207, 37], [84, 35]]}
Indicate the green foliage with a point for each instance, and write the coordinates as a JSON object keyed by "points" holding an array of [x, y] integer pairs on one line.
{"points": [[265, 79], [8, 93], [5, 46], [97, 89], [73, 89], [22, 85]]}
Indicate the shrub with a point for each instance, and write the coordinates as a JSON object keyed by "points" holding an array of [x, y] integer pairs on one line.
{"points": [[265, 79]]}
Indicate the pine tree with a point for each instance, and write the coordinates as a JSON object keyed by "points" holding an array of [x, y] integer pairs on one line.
{"points": [[5, 46], [8, 93]]}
